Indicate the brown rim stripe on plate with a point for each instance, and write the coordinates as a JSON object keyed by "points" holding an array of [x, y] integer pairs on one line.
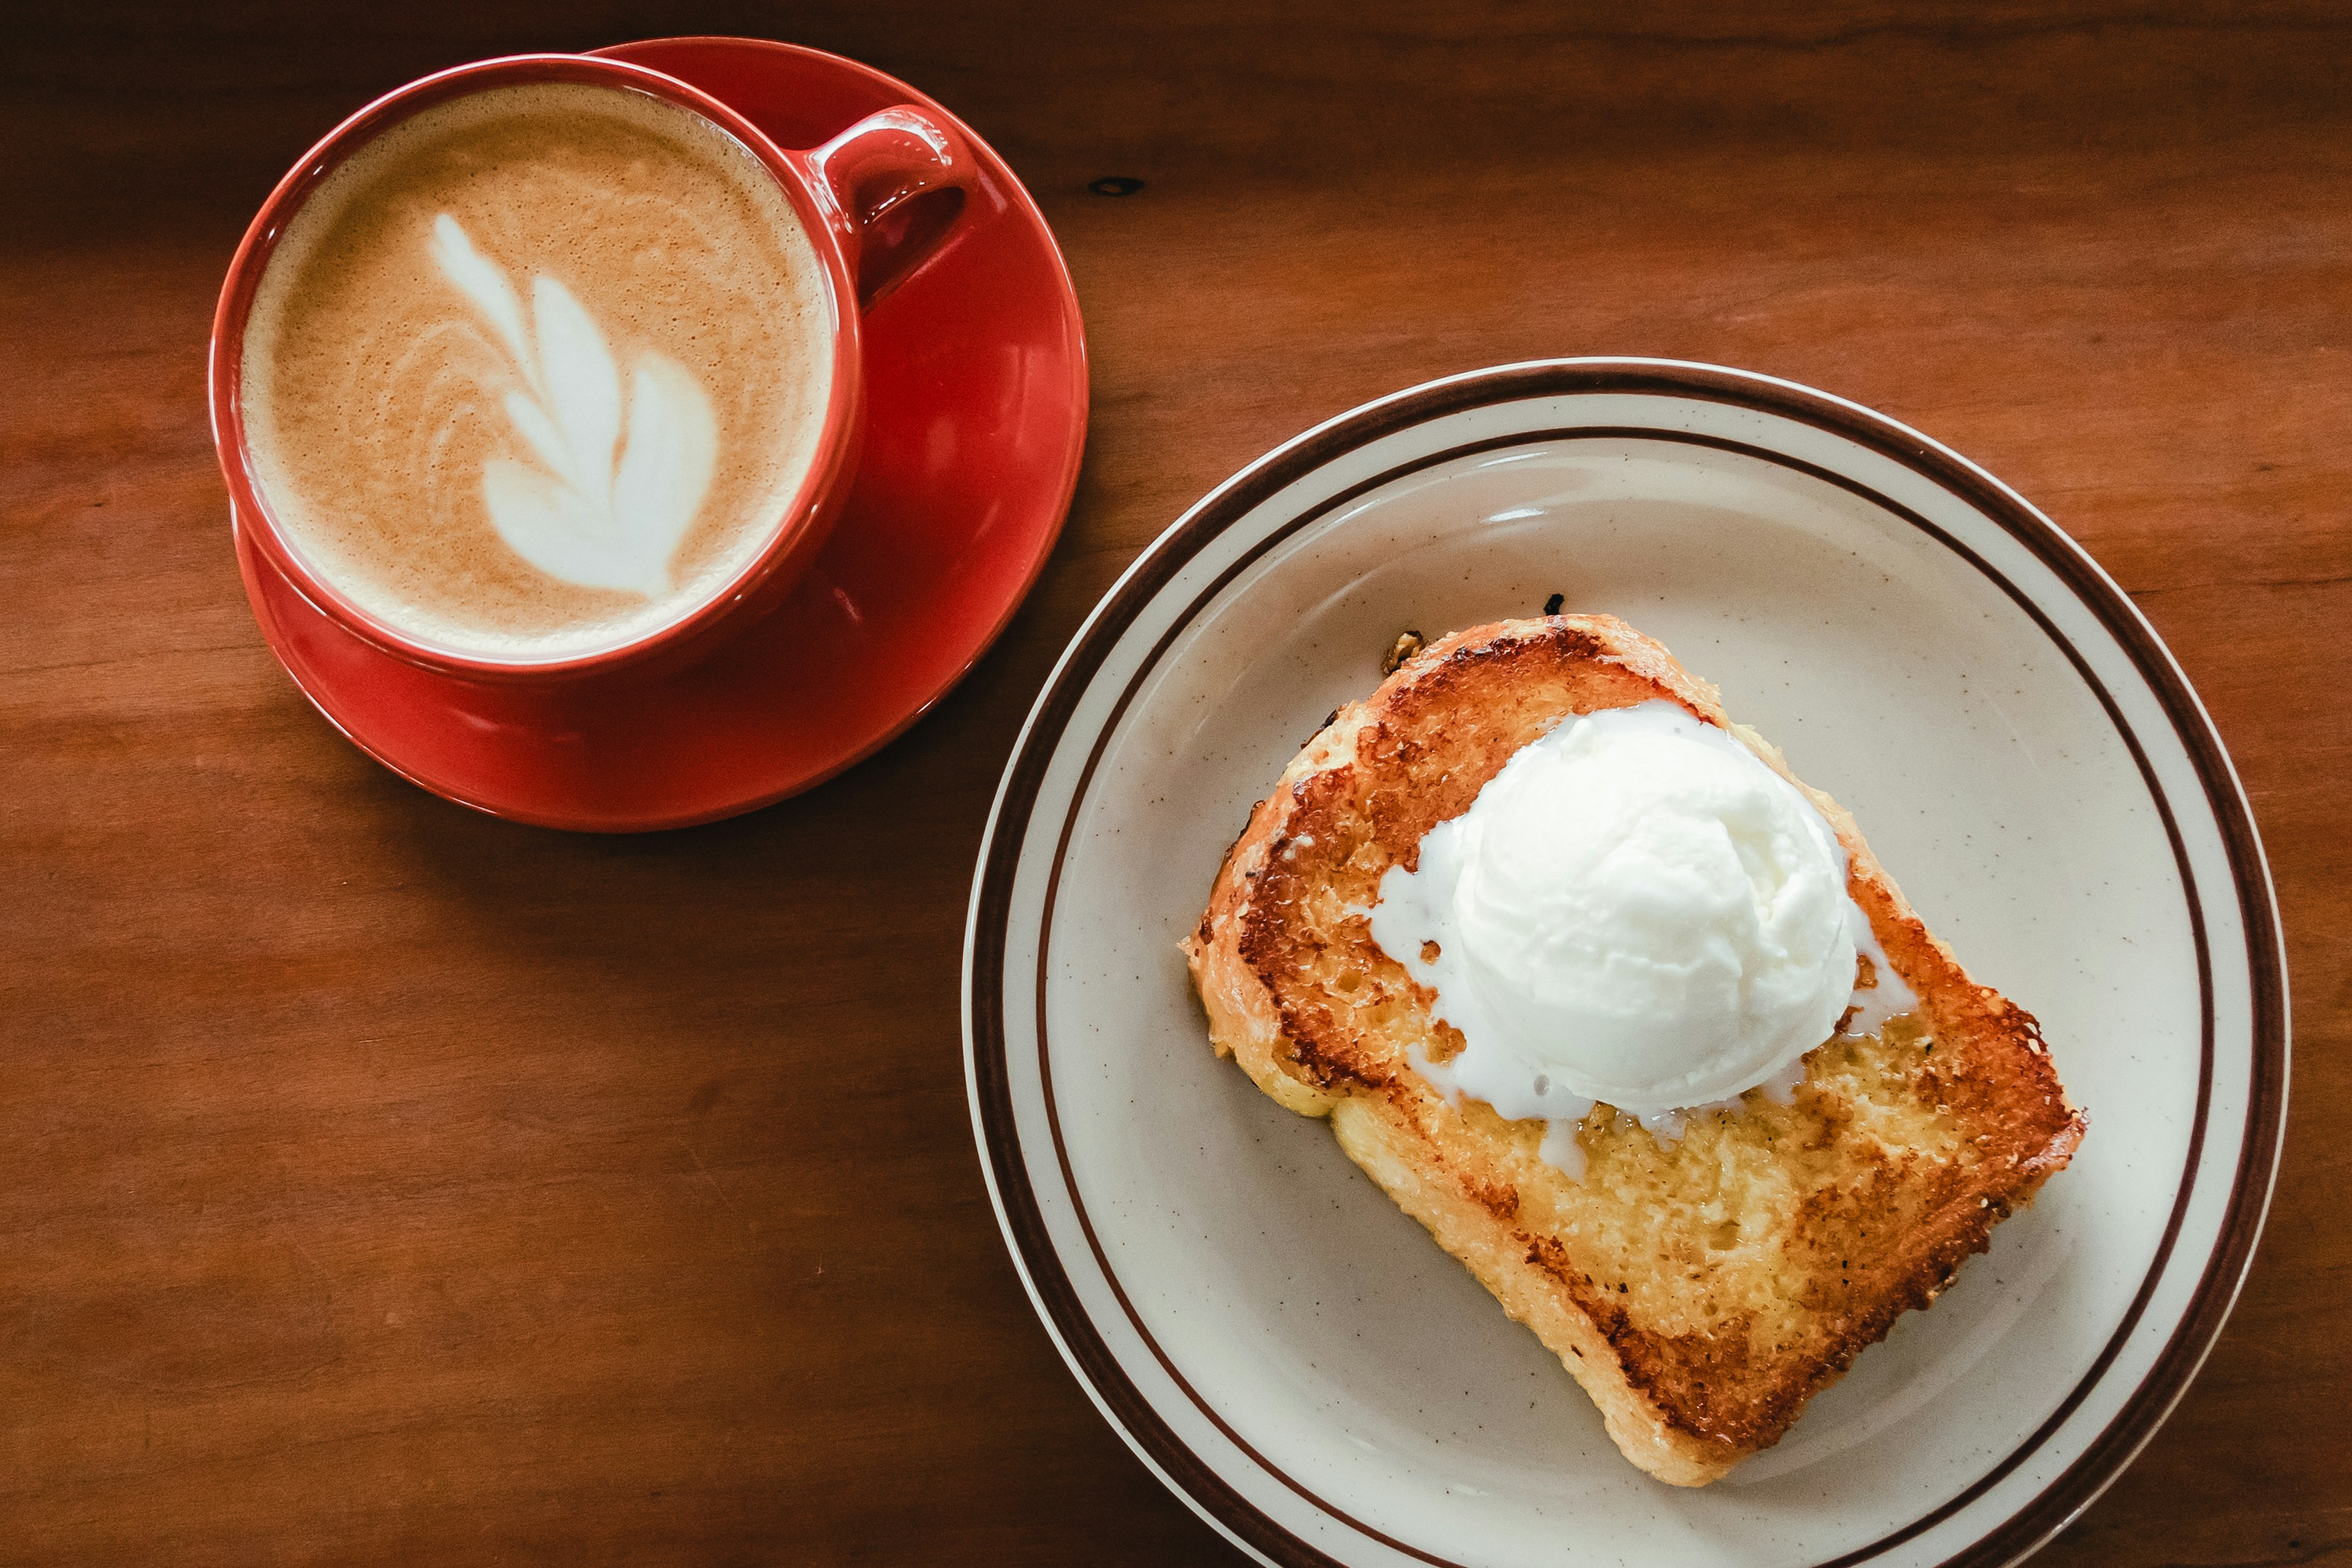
{"points": [[1535, 437], [2107, 1454]]}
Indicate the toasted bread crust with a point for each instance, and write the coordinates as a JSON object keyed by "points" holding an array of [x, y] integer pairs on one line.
{"points": [[1855, 1205]]}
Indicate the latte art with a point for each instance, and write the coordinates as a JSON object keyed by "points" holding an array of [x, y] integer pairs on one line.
{"points": [[592, 516], [538, 371]]}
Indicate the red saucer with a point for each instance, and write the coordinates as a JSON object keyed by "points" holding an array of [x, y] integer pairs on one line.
{"points": [[976, 376]]}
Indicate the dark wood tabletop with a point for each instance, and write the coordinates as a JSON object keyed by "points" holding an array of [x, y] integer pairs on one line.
{"points": [[384, 1183]]}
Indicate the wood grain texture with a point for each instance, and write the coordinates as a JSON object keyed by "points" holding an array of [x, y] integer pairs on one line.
{"points": [[381, 1184]]}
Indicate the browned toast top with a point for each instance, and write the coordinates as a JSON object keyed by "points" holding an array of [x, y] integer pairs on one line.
{"points": [[1731, 1273]]}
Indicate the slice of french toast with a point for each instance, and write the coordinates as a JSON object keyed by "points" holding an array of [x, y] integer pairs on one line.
{"points": [[1703, 1288]]}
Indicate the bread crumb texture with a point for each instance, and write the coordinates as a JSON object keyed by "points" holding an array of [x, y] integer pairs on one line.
{"points": [[1702, 1288]]}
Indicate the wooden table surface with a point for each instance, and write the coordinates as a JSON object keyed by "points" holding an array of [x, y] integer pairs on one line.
{"points": [[383, 1184]]}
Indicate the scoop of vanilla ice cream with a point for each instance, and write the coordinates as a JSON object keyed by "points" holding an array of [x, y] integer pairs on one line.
{"points": [[1635, 910]]}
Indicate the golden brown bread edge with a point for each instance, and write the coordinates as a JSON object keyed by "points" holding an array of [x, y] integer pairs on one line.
{"points": [[1685, 1406]]}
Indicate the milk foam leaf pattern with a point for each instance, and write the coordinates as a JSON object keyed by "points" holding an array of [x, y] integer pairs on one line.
{"points": [[582, 389], [484, 284], [603, 506]]}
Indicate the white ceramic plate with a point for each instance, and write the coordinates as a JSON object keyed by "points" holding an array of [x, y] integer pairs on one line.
{"points": [[1289, 1352]]}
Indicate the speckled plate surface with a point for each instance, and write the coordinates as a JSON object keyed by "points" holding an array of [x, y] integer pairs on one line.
{"points": [[1291, 1354]]}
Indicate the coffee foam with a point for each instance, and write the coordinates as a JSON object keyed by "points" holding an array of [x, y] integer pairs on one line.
{"points": [[538, 371]]}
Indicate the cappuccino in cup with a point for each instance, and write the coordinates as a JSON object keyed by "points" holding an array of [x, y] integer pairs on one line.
{"points": [[538, 371]]}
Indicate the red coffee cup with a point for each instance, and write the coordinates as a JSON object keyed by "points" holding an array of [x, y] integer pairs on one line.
{"points": [[877, 201]]}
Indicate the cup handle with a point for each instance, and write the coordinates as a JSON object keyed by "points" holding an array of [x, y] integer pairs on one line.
{"points": [[901, 179]]}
